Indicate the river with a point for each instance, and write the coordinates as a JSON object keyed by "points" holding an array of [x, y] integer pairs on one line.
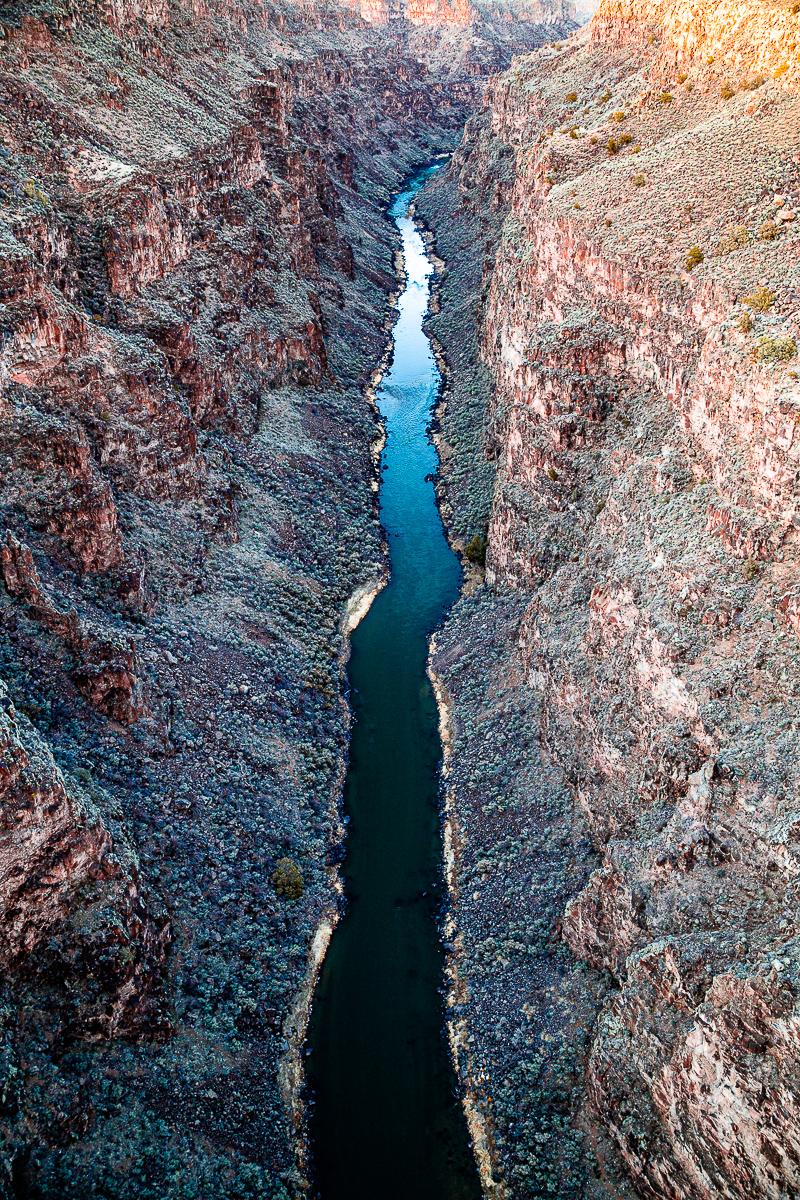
{"points": [[385, 1122]]}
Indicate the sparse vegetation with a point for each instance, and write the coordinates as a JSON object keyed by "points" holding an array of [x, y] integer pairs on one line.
{"points": [[769, 230], [694, 256], [665, 98], [639, 180], [760, 300], [475, 550], [733, 239], [775, 349], [745, 322], [571, 97], [726, 91]]}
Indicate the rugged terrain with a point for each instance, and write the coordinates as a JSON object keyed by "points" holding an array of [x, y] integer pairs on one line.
{"points": [[621, 224], [195, 272]]}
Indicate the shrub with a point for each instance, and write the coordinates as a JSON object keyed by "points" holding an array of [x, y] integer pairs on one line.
{"points": [[571, 97], [287, 879], [639, 180], [769, 230], [736, 237], [761, 300], [682, 77], [665, 98], [612, 146], [775, 349], [745, 322], [694, 256], [475, 550], [619, 115], [726, 91], [626, 139]]}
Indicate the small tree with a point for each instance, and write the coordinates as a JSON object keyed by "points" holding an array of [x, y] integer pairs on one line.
{"points": [[287, 879], [475, 550]]}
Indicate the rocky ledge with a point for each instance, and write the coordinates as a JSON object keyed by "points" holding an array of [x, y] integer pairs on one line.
{"points": [[624, 686], [194, 268]]}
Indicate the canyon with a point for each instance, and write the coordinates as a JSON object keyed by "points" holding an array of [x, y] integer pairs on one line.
{"points": [[196, 270], [197, 277], [621, 679]]}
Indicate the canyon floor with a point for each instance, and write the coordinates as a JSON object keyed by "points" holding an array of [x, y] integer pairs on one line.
{"points": [[196, 273]]}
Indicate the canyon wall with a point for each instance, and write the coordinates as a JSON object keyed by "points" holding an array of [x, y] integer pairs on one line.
{"points": [[194, 267], [624, 683]]}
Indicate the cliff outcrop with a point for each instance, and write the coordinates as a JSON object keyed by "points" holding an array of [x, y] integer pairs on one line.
{"points": [[623, 777], [194, 268]]}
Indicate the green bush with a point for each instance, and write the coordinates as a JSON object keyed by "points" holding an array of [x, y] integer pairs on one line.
{"points": [[775, 349], [475, 550], [694, 256], [287, 879], [734, 238], [761, 300]]}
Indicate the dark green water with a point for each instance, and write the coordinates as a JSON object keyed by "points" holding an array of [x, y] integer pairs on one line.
{"points": [[385, 1120]]}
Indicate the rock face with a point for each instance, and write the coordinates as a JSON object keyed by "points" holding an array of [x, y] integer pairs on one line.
{"points": [[194, 267], [637, 481]]}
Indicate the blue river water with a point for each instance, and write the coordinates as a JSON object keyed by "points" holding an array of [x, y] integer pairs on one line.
{"points": [[386, 1123]]}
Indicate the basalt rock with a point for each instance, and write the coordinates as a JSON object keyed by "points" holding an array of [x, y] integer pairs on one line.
{"points": [[194, 272], [640, 308]]}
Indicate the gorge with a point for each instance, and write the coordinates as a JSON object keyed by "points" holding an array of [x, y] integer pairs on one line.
{"points": [[199, 284]]}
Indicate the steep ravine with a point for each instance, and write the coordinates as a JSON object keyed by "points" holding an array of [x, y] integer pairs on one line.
{"points": [[195, 271], [623, 688]]}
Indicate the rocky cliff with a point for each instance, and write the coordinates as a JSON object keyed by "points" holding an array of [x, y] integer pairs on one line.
{"points": [[624, 686], [194, 275]]}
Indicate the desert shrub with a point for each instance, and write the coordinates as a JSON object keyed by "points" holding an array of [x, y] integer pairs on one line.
{"points": [[769, 230], [745, 322], [287, 879], [612, 145], [682, 77], [726, 91], [665, 98], [639, 180], [619, 115], [625, 139], [475, 550], [775, 349], [760, 300], [571, 97], [734, 238], [694, 256]]}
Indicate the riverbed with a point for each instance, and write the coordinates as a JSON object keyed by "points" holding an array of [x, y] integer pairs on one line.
{"points": [[385, 1117]]}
